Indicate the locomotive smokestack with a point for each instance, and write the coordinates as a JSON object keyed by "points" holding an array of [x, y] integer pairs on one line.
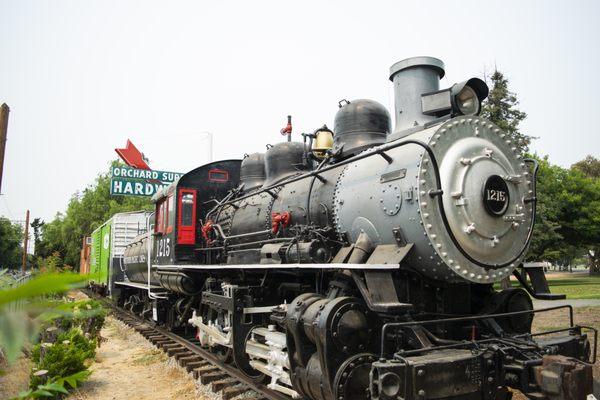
{"points": [[412, 78]]}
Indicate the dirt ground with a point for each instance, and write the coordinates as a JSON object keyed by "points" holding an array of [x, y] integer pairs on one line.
{"points": [[15, 379], [128, 367]]}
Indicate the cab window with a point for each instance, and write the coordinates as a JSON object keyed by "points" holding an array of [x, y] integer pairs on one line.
{"points": [[187, 208], [164, 215]]}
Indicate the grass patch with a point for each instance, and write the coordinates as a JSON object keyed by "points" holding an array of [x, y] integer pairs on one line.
{"points": [[575, 287], [580, 287], [152, 357]]}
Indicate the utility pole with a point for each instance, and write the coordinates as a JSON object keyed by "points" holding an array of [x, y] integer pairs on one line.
{"points": [[4, 110], [25, 240]]}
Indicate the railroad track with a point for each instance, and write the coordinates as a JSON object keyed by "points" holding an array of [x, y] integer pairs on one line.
{"points": [[221, 378]]}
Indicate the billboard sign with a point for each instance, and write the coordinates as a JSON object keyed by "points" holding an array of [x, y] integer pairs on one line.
{"points": [[127, 181], [146, 174]]}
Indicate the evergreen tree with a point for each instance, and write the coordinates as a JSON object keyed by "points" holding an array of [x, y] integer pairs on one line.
{"points": [[500, 107]]}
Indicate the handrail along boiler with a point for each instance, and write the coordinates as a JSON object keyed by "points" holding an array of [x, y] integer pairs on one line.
{"points": [[360, 262]]}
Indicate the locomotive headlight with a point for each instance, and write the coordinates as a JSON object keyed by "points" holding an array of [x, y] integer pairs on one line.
{"points": [[462, 98], [467, 96], [467, 101]]}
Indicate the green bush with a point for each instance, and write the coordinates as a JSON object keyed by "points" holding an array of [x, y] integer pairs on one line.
{"points": [[63, 358]]}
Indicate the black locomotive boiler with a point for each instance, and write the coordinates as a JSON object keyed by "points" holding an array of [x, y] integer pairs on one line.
{"points": [[360, 262]]}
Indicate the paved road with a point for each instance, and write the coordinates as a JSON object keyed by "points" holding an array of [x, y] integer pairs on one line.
{"points": [[573, 302]]}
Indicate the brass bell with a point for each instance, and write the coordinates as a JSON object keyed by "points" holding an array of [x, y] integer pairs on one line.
{"points": [[323, 141]]}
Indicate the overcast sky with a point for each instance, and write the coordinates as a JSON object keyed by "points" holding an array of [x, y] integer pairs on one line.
{"points": [[81, 77]]}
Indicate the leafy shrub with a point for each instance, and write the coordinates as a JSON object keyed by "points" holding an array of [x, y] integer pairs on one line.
{"points": [[24, 307], [53, 263], [64, 358], [54, 389], [88, 315]]}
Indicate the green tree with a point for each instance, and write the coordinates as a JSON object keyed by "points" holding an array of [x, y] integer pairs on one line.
{"points": [[85, 212], [546, 243], [11, 236], [568, 223], [589, 166], [500, 107], [37, 225]]}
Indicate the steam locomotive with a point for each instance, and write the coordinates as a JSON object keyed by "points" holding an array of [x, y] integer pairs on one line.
{"points": [[360, 262]]}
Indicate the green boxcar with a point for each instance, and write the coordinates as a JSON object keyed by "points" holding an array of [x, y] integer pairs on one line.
{"points": [[100, 260], [108, 245]]}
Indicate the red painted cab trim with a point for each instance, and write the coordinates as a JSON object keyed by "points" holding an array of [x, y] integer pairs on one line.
{"points": [[186, 216], [218, 175]]}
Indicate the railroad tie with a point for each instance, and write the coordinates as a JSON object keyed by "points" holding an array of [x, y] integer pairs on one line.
{"points": [[160, 339], [184, 354], [183, 360], [177, 350], [153, 337], [232, 391], [219, 385], [204, 370], [205, 379], [191, 366]]}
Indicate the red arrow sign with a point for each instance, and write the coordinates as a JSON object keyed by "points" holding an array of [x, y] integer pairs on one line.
{"points": [[132, 156]]}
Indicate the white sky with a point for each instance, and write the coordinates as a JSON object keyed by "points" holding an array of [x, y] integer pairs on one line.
{"points": [[81, 77]]}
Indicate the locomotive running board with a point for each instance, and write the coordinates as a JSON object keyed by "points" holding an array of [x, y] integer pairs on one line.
{"points": [[277, 266], [138, 285]]}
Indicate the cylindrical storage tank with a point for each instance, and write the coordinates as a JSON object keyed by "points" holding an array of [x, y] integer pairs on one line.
{"points": [[252, 172], [412, 78], [360, 124], [135, 260], [283, 160]]}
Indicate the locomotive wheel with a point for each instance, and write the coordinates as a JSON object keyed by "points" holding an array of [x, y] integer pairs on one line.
{"points": [[352, 379], [240, 357]]}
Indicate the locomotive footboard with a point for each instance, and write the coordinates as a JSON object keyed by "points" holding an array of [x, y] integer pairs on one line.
{"points": [[553, 364]]}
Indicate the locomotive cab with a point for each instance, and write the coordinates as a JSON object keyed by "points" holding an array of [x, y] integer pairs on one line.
{"points": [[180, 210]]}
